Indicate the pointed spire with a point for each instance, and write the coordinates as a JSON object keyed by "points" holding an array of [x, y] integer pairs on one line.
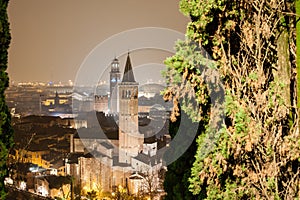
{"points": [[128, 72]]}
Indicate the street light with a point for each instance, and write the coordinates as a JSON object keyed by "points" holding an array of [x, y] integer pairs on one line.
{"points": [[113, 195]]}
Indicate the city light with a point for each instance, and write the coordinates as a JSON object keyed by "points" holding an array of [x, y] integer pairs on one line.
{"points": [[22, 185], [42, 191]]}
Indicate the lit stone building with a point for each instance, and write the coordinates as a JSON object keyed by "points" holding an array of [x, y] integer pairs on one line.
{"points": [[35, 156], [116, 156], [115, 78], [101, 103], [130, 140]]}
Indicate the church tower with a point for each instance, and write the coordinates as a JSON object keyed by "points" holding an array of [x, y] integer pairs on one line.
{"points": [[56, 99], [114, 80], [130, 140]]}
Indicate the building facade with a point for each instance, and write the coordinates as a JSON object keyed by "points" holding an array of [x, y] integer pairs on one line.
{"points": [[114, 80], [130, 140], [112, 163]]}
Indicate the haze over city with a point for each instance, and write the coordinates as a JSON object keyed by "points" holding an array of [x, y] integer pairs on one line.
{"points": [[50, 39], [84, 133]]}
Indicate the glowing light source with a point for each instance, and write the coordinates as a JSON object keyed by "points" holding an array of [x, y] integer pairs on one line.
{"points": [[42, 191], [22, 185]]}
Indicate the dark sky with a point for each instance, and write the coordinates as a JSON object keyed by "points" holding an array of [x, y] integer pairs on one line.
{"points": [[51, 38]]}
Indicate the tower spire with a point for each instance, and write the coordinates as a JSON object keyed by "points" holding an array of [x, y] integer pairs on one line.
{"points": [[128, 72], [115, 77], [130, 139]]}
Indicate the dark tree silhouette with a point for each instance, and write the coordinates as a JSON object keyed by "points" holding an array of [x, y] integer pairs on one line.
{"points": [[6, 132]]}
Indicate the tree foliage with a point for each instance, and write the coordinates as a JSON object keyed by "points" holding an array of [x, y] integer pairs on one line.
{"points": [[254, 152], [298, 50], [6, 133], [176, 179]]}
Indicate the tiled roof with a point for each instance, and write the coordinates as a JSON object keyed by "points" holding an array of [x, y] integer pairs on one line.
{"points": [[107, 145], [117, 163], [147, 159]]}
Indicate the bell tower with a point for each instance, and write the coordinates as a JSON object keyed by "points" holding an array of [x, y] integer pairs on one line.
{"points": [[114, 80], [130, 140]]}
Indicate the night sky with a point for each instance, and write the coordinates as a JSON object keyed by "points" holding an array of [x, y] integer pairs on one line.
{"points": [[50, 39]]}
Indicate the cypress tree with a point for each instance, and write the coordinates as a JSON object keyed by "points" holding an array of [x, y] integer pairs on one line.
{"points": [[256, 150], [298, 53], [6, 132]]}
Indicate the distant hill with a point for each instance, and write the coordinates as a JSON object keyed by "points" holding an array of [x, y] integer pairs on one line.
{"points": [[151, 88]]}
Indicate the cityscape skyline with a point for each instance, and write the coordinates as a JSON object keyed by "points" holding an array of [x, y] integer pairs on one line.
{"points": [[50, 40], [103, 141]]}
